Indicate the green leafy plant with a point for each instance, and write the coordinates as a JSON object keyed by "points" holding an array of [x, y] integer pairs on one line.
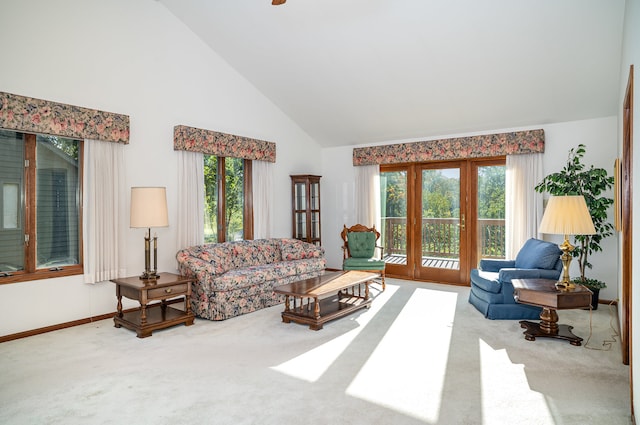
{"points": [[576, 178]]}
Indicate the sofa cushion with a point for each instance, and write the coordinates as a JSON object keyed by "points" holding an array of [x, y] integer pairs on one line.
{"points": [[244, 277], [487, 281], [248, 253], [294, 249], [537, 254], [216, 254]]}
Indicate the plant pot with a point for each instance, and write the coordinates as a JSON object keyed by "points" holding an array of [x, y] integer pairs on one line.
{"points": [[594, 298]]}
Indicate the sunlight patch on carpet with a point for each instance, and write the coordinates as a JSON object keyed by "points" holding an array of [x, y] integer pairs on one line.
{"points": [[406, 371], [499, 374], [311, 365]]}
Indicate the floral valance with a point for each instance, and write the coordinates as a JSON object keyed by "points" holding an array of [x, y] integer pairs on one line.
{"points": [[519, 142], [31, 115], [222, 144]]}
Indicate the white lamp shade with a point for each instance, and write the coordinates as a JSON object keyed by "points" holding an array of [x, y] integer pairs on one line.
{"points": [[149, 207], [567, 215]]}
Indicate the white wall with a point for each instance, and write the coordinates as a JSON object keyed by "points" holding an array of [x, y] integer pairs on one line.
{"points": [[598, 135], [135, 58], [631, 56]]}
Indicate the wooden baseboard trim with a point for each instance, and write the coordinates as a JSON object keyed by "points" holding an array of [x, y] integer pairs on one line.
{"points": [[71, 324]]}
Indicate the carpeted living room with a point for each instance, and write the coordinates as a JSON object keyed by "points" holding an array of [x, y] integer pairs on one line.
{"points": [[255, 212], [420, 354]]}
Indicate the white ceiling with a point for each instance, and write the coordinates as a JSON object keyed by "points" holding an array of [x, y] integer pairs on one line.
{"points": [[364, 71]]}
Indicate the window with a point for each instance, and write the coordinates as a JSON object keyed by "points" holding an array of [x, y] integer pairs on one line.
{"points": [[228, 212], [40, 232]]}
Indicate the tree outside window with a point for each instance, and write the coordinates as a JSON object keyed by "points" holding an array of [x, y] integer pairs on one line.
{"points": [[227, 187]]}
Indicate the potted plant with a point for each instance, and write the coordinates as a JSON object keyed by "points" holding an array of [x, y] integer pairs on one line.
{"points": [[578, 179]]}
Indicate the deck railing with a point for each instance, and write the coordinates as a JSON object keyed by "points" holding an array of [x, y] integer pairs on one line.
{"points": [[441, 237]]}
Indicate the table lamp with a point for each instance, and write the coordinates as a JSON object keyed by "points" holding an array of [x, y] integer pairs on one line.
{"points": [[149, 209], [567, 215]]}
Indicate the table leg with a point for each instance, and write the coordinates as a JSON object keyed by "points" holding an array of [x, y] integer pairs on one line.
{"points": [[119, 295], [143, 314], [187, 304], [549, 321], [549, 328], [316, 310], [119, 313]]}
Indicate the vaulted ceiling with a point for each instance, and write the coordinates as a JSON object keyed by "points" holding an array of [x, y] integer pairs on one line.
{"points": [[364, 71]]}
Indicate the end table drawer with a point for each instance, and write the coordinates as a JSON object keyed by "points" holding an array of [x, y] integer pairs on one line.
{"points": [[169, 291]]}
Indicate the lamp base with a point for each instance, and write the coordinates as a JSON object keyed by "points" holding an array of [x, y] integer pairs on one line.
{"points": [[149, 275], [566, 248]]}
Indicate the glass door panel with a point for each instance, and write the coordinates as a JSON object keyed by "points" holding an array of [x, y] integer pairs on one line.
{"points": [[394, 223], [440, 226], [490, 211], [442, 222]]}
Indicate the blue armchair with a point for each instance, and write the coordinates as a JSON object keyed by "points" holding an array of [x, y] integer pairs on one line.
{"points": [[491, 289]]}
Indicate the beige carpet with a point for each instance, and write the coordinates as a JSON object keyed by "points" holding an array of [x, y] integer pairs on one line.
{"points": [[421, 355]]}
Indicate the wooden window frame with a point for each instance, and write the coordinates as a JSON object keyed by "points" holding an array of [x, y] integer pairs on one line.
{"points": [[247, 200], [30, 272]]}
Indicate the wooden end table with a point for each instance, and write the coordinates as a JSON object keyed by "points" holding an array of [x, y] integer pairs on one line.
{"points": [[149, 317], [544, 293], [349, 290]]}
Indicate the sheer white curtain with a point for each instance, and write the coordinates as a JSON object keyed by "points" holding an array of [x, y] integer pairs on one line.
{"points": [[523, 209], [104, 211], [262, 180], [367, 196], [190, 224]]}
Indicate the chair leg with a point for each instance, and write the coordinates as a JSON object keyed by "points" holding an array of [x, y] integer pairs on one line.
{"points": [[384, 285]]}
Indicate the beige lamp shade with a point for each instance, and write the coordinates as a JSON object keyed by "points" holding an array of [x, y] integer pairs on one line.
{"points": [[149, 207], [567, 215]]}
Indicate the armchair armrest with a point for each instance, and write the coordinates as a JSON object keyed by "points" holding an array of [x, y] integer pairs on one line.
{"points": [[381, 248], [505, 275], [195, 267], [495, 265]]}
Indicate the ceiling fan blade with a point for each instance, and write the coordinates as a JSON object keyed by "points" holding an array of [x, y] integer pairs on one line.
{"points": [[278, 2]]}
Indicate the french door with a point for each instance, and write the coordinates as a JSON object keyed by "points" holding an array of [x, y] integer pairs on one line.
{"points": [[440, 218]]}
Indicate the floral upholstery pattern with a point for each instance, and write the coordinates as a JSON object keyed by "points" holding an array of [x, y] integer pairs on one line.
{"points": [[222, 144], [234, 278], [518, 142], [27, 114]]}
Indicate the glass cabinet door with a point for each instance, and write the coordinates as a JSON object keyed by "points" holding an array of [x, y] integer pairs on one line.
{"points": [[300, 196], [315, 196], [301, 225], [315, 225], [306, 208]]}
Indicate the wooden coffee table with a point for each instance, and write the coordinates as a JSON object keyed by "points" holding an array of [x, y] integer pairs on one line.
{"points": [[344, 292], [543, 293]]}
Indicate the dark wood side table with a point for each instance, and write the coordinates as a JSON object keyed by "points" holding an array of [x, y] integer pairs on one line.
{"points": [[543, 293], [149, 317]]}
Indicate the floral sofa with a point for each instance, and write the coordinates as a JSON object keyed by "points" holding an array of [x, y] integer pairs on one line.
{"points": [[234, 278]]}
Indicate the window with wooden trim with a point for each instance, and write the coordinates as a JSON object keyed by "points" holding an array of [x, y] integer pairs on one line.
{"points": [[41, 220], [228, 205]]}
